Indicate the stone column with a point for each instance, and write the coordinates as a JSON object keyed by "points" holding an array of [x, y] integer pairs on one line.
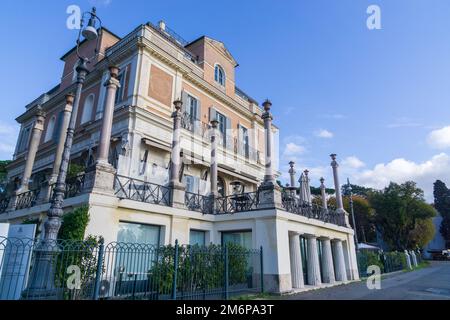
{"points": [[337, 186], [327, 262], [408, 260], [269, 191], [35, 140], [108, 114], [178, 189], [292, 173], [413, 258], [100, 178], [269, 178], [296, 261], [47, 190], [323, 193], [313, 261], [339, 261]]}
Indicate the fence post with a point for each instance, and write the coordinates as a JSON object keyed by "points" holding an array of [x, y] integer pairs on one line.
{"points": [[175, 272], [226, 273], [98, 274], [262, 269]]}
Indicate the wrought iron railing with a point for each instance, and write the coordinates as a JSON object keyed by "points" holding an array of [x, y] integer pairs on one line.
{"points": [[4, 203], [139, 190], [74, 186], [294, 205], [197, 202], [27, 199], [194, 125], [237, 203]]}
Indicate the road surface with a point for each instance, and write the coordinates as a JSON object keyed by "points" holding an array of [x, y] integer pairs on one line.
{"points": [[430, 283]]}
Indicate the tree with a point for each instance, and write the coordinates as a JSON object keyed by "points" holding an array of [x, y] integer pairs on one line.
{"points": [[364, 216], [3, 173], [357, 190], [402, 215], [442, 205]]}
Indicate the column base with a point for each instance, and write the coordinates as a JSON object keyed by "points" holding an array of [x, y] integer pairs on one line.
{"points": [[178, 194], [100, 179], [269, 196]]}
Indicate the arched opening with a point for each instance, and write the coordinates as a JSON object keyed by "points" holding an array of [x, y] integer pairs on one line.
{"points": [[219, 75]]}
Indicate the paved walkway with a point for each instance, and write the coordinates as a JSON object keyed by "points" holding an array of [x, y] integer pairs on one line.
{"points": [[430, 283]]}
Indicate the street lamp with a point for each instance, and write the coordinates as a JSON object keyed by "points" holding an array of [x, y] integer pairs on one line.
{"points": [[42, 285], [349, 190]]}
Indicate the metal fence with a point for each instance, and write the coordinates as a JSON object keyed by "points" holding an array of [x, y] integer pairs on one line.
{"points": [[91, 270], [240, 202], [387, 261]]}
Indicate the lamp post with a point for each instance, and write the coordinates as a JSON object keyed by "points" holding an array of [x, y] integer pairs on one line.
{"points": [[41, 285], [350, 194]]}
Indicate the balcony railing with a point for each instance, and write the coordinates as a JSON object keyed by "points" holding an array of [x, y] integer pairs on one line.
{"points": [[294, 205], [4, 203], [27, 199], [139, 190], [237, 203], [74, 186], [197, 202]]}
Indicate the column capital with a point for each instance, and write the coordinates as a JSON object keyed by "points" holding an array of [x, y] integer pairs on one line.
{"points": [[322, 183], [112, 82], [114, 71], [267, 114], [214, 123], [70, 97], [40, 118], [178, 104], [334, 163]]}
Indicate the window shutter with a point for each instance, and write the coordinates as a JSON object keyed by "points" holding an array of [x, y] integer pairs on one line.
{"points": [[228, 134], [197, 117], [184, 100]]}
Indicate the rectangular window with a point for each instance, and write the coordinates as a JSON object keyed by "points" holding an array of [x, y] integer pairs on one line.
{"points": [[244, 145], [222, 128], [197, 237], [242, 238], [138, 233]]}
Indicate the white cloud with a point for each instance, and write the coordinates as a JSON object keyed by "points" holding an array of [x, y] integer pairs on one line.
{"points": [[440, 138], [324, 134], [353, 162], [293, 149], [401, 170], [9, 133]]}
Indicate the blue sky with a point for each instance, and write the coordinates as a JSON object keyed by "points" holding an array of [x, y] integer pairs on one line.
{"points": [[377, 98]]}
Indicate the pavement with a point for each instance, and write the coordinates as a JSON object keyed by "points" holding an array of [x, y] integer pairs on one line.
{"points": [[429, 283]]}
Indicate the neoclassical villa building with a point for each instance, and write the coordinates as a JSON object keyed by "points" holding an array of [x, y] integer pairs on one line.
{"points": [[178, 153]]}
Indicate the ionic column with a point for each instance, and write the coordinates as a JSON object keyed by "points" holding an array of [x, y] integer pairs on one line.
{"points": [[269, 191], [269, 178], [292, 173], [337, 186], [323, 193], [313, 261], [296, 261], [108, 114], [339, 260], [327, 262], [178, 189], [213, 168], [36, 134]]}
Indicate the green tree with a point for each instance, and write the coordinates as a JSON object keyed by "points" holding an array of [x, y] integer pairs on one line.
{"points": [[442, 205], [401, 209], [357, 190], [364, 216]]}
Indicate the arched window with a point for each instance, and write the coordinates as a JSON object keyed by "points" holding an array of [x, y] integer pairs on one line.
{"points": [[88, 108], [50, 129], [219, 75]]}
